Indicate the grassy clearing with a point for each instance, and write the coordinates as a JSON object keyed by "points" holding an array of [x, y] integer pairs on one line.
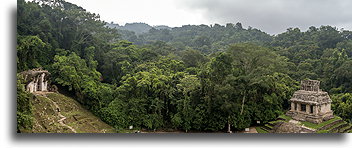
{"points": [[274, 122], [260, 130], [317, 126], [322, 131], [76, 115], [287, 118], [267, 125]]}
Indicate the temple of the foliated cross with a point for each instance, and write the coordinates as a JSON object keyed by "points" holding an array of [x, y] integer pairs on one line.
{"points": [[310, 103], [37, 80]]}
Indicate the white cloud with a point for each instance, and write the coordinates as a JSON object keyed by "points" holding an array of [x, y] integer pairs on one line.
{"points": [[153, 12], [272, 16], [275, 16]]}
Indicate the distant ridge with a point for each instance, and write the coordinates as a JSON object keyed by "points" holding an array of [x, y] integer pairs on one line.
{"points": [[137, 27]]}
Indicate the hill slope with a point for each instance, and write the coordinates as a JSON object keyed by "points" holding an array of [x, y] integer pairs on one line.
{"points": [[56, 113]]}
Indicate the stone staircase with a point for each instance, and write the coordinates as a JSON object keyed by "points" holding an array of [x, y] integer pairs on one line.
{"points": [[270, 125], [267, 128], [346, 129], [338, 126]]}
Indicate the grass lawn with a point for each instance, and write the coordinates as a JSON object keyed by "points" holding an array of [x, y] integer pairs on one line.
{"points": [[322, 131], [260, 130], [276, 121], [317, 126], [287, 118], [267, 125]]}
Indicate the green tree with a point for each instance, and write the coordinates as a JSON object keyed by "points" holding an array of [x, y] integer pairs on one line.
{"points": [[185, 112], [24, 107], [193, 58], [30, 52], [73, 72], [341, 105]]}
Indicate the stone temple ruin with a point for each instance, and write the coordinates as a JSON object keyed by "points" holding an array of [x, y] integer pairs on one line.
{"points": [[37, 80], [310, 103]]}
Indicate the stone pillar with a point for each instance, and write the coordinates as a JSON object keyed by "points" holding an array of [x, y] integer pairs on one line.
{"points": [[298, 107], [315, 110], [35, 84], [30, 86], [307, 108], [292, 106], [40, 82], [45, 88]]}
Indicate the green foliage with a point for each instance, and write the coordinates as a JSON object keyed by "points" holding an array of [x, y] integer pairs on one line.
{"points": [[342, 76], [31, 52], [115, 114], [72, 71], [193, 58], [185, 112], [342, 104], [207, 39], [118, 61], [24, 107], [44, 26], [194, 77], [147, 95]]}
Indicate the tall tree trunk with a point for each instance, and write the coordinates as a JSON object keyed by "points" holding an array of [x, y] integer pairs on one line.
{"points": [[228, 125], [243, 99]]}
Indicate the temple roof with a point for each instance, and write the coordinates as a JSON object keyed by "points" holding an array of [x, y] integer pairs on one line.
{"points": [[310, 97], [310, 93], [30, 74]]}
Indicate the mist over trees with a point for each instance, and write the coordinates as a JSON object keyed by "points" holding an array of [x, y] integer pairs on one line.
{"points": [[190, 78]]}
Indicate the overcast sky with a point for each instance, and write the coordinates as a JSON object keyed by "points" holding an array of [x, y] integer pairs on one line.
{"points": [[271, 16]]}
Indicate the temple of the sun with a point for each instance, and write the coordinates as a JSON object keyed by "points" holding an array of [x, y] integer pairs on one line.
{"points": [[310, 103]]}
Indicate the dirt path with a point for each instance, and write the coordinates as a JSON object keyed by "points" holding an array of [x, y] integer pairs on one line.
{"points": [[58, 110], [61, 121], [251, 130]]}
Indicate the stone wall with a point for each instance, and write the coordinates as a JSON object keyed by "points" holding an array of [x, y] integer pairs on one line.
{"points": [[325, 108]]}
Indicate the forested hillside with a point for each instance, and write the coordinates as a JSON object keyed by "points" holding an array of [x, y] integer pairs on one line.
{"points": [[195, 77], [207, 39]]}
